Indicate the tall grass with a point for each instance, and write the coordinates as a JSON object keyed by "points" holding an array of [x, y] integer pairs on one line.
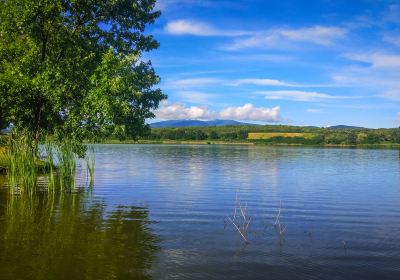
{"points": [[49, 159], [66, 165], [90, 161], [22, 163], [24, 160]]}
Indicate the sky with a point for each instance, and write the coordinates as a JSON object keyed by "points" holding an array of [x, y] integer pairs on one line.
{"points": [[320, 63]]}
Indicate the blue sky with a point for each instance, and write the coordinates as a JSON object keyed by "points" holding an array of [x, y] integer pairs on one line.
{"points": [[291, 62]]}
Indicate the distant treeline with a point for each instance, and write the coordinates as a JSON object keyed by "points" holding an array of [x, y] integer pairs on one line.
{"points": [[312, 135]]}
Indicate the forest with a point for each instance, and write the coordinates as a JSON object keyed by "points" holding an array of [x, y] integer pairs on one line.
{"points": [[278, 134]]}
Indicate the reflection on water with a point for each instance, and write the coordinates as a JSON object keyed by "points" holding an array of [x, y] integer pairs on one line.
{"points": [[65, 236], [330, 197]]}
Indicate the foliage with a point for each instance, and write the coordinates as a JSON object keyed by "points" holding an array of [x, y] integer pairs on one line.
{"points": [[280, 134], [74, 68]]}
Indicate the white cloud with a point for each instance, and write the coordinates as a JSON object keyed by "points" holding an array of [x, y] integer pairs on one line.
{"points": [[166, 5], [313, 110], [319, 35], [393, 93], [392, 39], [398, 118], [377, 60], [392, 14], [260, 57], [260, 82], [251, 113], [322, 35], [195, 96], [297, 95], [209, 81], [381, 74], [193, 82], [246, 112], [197, 28], [178, 111]]}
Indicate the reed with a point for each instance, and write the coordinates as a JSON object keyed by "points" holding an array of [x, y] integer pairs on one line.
{"points": [[66, 165], [23, 159], [4, 162], [49, 159], [22, 167], [90, 163]]}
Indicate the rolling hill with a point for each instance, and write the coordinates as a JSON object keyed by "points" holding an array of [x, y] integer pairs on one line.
{"points": [[188, 123]]}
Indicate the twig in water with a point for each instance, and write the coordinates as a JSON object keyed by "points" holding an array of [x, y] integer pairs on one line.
{"points": [[344, 245], [241, 221], [278, 225]]}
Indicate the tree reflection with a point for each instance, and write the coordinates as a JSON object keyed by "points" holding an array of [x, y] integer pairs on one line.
{"points": [[65, 236]]}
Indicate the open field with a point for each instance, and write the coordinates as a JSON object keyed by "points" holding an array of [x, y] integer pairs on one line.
{"points": [[268, 135]]}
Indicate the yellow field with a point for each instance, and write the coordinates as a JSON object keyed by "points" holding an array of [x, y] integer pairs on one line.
{"points": [[268, 135]]}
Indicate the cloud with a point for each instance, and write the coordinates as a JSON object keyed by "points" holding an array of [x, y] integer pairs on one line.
{"points": [[384, 82], [209, 81], [398, 118], [260, 57], [250, 113], [381, 74], [193, 82], [392, 14], [313, 110], [393, 93], [260, 82], [297, 95], [392, 39], [246, 112], [196, 28], [167, 5], [377, 59], [319, 35], [178, 111], [195, 96]]}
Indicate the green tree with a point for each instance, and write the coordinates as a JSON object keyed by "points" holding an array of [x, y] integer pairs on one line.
{"points": [[73, 68], [352, 138]]}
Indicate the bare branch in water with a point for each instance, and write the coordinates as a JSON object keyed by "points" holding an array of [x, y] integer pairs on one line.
{"points": [[241, 220]]}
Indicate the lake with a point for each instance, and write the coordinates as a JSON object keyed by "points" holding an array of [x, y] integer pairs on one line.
{"points": [[162, 212]]}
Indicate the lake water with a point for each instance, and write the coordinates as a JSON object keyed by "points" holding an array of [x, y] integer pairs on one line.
{"points": [[161, 212]]}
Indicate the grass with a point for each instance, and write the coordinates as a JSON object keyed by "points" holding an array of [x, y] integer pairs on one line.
{"points": [[268, 135], [23, 160], [90, 162], [22, 169], [66, 165], [3, 159]]}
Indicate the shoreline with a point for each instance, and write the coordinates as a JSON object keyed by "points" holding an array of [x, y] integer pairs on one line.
{"points": [[220, 142]]}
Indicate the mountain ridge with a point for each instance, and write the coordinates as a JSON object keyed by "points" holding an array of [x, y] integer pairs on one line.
{"points": [[220, 122], [189, 123]]}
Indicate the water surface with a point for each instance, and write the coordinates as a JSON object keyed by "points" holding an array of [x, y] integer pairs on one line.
{"points": [[160, 211]]}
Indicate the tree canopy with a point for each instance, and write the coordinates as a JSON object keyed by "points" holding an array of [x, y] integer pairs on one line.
{"points": [[74, 68]]}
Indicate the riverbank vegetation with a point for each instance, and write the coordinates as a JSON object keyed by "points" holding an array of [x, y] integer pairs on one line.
{"points": [[277, 134], [71, 71]]}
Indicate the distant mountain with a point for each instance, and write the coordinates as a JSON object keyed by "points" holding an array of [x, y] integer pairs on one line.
{"points": [[341, 126], [186, 123]]}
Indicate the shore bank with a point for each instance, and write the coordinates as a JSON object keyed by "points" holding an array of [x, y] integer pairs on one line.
{"points": [[218, 142]]}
